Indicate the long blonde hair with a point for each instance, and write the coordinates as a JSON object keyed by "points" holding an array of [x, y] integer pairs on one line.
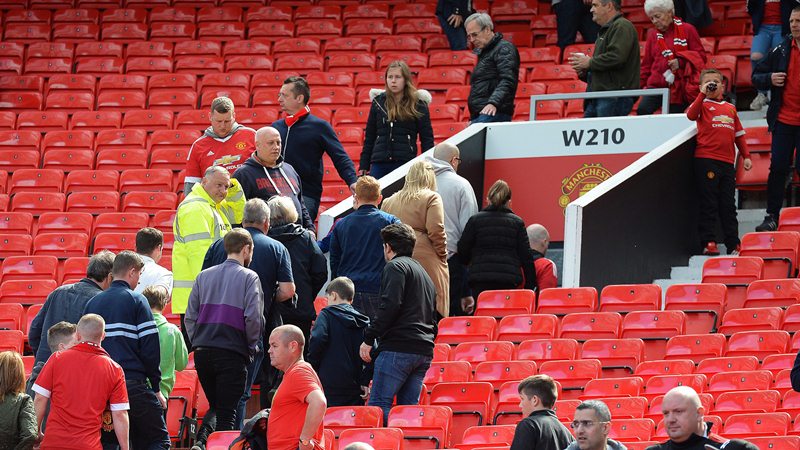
{"points": [[419, 178], [406, 108], [12, 374]]}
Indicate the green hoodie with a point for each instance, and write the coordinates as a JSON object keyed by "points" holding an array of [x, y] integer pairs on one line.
{"points": [[173, 352]]}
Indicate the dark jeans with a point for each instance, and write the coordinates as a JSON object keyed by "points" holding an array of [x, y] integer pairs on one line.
{"points": [[312, 206], [485, 118], [650, 103], [785, 139], [223, 374], [458, 284], [367, 303], [573, 16], [185, 333], [381, 169], [399, 374], [148, 431], [252, 372], [457, 37], [716, 188], [608, 107]]}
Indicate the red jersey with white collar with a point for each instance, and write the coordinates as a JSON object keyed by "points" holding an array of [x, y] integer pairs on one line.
{"points": [[718, 128], [229, 152]]}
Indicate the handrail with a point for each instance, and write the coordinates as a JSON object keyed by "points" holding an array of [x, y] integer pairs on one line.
{"points": [[663, 92]]}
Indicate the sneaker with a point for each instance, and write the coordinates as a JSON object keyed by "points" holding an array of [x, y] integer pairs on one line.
{"points": [[711, 249], [759, 102], [769, 224], [736, 251]]}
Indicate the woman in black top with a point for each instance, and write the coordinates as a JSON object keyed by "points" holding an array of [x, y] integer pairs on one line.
{"points": [[397, 116], [496, 246]]}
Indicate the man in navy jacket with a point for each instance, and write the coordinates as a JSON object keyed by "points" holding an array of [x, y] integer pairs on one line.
{"points": [[305, 138]]}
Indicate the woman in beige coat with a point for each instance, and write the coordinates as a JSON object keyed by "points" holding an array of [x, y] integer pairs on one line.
{"points": [[418, 205]]}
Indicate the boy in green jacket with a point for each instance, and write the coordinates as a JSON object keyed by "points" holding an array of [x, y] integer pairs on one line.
{"points": [[174, 355]]}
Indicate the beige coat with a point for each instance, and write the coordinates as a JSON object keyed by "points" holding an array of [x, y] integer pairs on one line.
{"points": [[425, 215]]}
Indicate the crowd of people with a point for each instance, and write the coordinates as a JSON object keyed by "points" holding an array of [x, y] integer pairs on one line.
{"points": [[247, 264]]}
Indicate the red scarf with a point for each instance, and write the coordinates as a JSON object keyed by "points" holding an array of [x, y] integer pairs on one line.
{"points": [[291, 120], [679, 41]]}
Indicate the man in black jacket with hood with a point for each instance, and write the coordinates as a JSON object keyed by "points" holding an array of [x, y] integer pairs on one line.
{"points": [[496, 74]]}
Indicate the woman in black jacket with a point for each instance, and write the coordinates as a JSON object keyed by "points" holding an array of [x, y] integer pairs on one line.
{"points": [[309, 266], [496, 246], [397, 116]]}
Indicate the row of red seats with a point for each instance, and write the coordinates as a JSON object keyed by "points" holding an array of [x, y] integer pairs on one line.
{"points": [[74, 222], [150, 4]]}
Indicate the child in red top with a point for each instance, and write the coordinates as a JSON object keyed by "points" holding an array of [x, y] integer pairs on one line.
{"points": [[718, 127]]}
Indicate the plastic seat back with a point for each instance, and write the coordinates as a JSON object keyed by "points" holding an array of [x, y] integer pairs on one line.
{"points": [[632, 429], [560, 301], [477, 352], [378, 438], [758, 343], [648, 369], [613, 387], [777, 248], [735, 272], [695, 346], [630, 297], [16, 223], [751, 380], [743, 426], [470, 403], [340, 418], [517, 328], [750, 319], [26, 292], [423, 426], [745, 401], [777, 292], [500, 303], [712, 366], [654, 328], [499, 372], [573, 375], [619, 356], [447, 372], [454, 330], [548, 349], [486, 436], [661, 384], [591, 325], [29, 268]]}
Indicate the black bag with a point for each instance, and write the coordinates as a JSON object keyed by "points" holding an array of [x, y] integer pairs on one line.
{"points": [[254, 433]]}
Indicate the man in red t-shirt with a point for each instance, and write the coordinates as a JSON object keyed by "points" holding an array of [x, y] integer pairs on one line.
{"points": [[545, 269], [295, 420], [225, 143], [718, 128], [80, 383]]}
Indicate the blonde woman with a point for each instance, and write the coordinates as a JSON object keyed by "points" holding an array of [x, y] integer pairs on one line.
{"points": [[495, 246], [18, 429], [398, 116], [418, 205]]}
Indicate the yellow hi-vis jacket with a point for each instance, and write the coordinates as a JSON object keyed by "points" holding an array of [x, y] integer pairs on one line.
{"points": [[198, 223]]}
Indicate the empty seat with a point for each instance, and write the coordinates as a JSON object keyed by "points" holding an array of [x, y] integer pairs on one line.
{"points": [[500, 303], [654, 328], [91, 180], [517, 328], [778, 249], [149, 202], [791, 318], [547, 349], [695, 346], [422, 425], [94, 202], [342, 418], [702, 304], [749, 380], [121, 160], [573, 375], [776, 292], [11, 340], [441, 78], [93, 120], [12, 316], [777, 362], [470, 403], [613, 387], [648, 369], [661, 384], [114, 242], [36, 180], [775, 442], [499, 372], [623, 407], [591, 325], [447, 372], [758, 343], [29, 268], [477, 352], [745, 401], [382, 438], [42, 121], [15, 245], [68, 140], [736, 273], [756, 424], [487, 436], [630, 297], [619, 356], [65, 222], [560, 301], [37, 203], [145, 180], [454, 330], [16, 223], [712, 366], [120, 223], [70, 102], [750, 319]]}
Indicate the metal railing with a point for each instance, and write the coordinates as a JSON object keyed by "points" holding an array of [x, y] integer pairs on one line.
{"points": [[663, 92]]}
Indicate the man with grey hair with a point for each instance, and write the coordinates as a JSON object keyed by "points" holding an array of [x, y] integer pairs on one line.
{"points": [[615, 64], [493, 83], [573, 16], [132, 341], [309, 266], [460, 204], [545, 269], [265, 174], [67, 302], [225, 143], [359, 446], [271, 261], [591, 425]]}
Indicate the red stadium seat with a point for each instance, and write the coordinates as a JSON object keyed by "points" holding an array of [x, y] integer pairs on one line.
{"points": [[21, 32], [351, 62], [505, 302], [69, 102], [37, 203], [340, 418], [65, 222], [221, 440], [270, 30], [499, 372], [114, 222], [61, 245], [93, 120], [303, 63], [29, 268], [441, 78], [417, 26], [68, 140], [448, 372], [739, 426], [702, 304], [297, 46], [15, 245], [320, 28], [347, 44], [245, 48], [68, 160], [379, 438], [172, 139], [624, 407], [75, 267], [11, 160], [573, 374], [778, 249], [736, 273], [654, 328], [711, 366], [775, 442], [36, 180], [121, 159], [520, 327], [16, 223], [630, 297], [149, 202], [777, 362], [745, 401], [791, 319], [148, 120], [121, 139], [455, 330], [172, 32], [98, 49], [486, 436], [779, 292], [618, 356], [695, 346], [443, 131], [96, 202], [477, 352], [750, 380], [470, 403], [548, 349], [124, 32], [90, 180], [758, 343], [157, 180], [560, 301], [114, 242], [661, 384], [12, 317], [422, 425], [591, 325], [750, 319], [42, 121], [318, 12], [11, 340]]}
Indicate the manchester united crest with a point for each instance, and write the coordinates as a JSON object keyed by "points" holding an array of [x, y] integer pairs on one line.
{"points": [[582, 181]]}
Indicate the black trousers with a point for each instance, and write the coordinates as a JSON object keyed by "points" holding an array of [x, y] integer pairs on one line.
{"points": [[785, 139], [573, 16], [223, 375], [716, 189], [649, 104]]}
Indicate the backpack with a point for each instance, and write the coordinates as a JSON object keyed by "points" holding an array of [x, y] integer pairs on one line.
{"points": [[254, 433]]}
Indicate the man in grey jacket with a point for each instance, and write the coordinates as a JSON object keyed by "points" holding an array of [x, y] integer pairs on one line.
{"points": [[591, 424], [460, 204]]}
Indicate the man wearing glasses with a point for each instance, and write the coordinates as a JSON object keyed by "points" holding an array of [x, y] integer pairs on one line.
{"points": [[540, 429], [496, 74], [591, 425]]}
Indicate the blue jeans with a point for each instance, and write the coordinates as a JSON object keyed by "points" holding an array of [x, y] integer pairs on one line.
{"points": [[252, 371], [399, 374], [767, 38], [457, 37], [367, 303], [381, 169], [485, 118], [608, 107]]}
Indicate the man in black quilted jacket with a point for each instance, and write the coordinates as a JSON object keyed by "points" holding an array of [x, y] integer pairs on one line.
{"points": [[496, 74]]}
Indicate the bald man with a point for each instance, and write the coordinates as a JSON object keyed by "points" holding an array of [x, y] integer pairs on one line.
{"points": [[359, 446], [683, 420], [546, 274], [265, 175], [295, 420], [79, 383], [460, 204]]}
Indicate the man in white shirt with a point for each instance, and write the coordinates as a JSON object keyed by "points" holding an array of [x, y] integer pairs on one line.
{"points": [[149, 245]]}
